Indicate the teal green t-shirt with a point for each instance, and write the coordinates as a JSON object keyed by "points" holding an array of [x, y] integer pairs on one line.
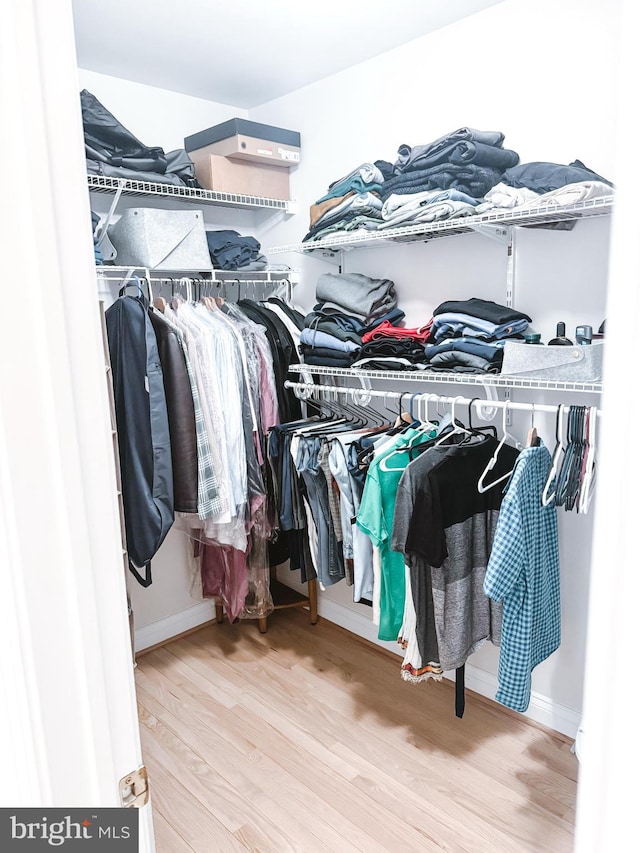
{"points": [[375, 518]]}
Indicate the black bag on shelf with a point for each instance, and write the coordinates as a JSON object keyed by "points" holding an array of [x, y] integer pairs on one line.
{"points": [[181, 166], [114, 151]]}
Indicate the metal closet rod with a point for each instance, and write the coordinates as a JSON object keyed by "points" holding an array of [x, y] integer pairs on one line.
{"points": [[188, 280], [477, 402]]}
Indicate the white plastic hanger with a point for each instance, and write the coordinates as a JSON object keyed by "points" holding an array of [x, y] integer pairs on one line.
{"points": [[457, 428], [555, 461], [482, 486], [425, 398], [425, 426]]}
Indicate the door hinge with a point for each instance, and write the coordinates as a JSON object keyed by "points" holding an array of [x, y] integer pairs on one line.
{"points": [[134, 789]]}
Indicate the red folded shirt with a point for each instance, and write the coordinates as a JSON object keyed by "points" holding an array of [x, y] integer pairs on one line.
{"points": [[387, 330]]}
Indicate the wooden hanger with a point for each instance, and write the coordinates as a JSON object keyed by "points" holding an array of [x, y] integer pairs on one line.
{"points": [[160, 303], [532, 435]]}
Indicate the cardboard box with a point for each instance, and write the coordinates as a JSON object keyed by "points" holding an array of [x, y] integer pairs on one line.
{"points": [[216, 172], [240, 139]]}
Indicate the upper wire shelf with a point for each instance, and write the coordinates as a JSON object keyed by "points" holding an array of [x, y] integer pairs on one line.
{"points": [[485, 379], [103, 184], [266, 276], [494, 220]]}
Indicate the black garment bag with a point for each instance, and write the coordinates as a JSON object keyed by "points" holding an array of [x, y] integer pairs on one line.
{"points": [[143, 431]]}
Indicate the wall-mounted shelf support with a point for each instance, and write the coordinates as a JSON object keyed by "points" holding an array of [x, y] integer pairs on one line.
{"points": [[500, 233]]}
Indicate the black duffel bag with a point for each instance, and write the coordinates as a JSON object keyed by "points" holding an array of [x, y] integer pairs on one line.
{"points": [[114, 151]]}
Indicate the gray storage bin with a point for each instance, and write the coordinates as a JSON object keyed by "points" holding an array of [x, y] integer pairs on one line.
{"points": [[567, 364], [161, 239]]}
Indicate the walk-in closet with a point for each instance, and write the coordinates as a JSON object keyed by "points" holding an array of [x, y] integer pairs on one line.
{"points": [[317, 486]]}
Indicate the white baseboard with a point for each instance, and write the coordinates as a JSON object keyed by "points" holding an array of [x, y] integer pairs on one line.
{"points": [[541, 709], [171, 626]]}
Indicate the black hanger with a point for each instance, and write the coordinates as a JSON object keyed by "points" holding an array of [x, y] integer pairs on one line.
{"points": [[580, 448], [568, 486], [480, 430], [441, 438], [339, 419]]}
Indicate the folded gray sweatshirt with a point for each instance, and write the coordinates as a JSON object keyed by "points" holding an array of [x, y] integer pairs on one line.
{"points": [[356, 293]]}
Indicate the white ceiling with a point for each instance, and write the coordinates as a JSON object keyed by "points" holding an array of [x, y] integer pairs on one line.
{"points": [[248, 52]]}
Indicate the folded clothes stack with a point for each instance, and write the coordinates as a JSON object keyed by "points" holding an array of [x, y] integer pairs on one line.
{"points": [[468, 336], [389, 347], [364, 178], [471, 161], [231, 251], [548, 184], [542, 177], [391, 354], [349, 305], [443, 179], [429, 206], [360, 204], [465, 172]]}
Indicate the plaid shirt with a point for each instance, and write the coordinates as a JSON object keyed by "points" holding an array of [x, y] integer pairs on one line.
{"points": [[209, 501], [523, 573]]}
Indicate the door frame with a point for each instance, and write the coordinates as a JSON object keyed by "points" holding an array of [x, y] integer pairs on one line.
{"points": [[71, 728], [68, 700]]}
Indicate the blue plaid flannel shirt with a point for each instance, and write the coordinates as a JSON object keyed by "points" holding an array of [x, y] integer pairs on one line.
{"points": [[524, 573]]}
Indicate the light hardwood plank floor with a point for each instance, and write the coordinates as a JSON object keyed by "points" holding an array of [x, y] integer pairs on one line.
{"points": [[306, 739]]}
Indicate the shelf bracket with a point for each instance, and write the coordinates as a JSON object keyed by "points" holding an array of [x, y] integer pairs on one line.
{"points": [[501, 233], [328, 256], [505, 235]]}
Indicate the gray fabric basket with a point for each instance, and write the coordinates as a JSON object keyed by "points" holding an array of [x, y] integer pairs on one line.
{"points": [[161, 239], [570, 364]]}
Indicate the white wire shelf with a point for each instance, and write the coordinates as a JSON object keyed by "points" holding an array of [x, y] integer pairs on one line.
{"points": [[221, 276], [422, 231], [496, 380], [103, 184]]}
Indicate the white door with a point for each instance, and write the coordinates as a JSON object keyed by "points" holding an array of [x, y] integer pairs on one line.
{"points": [[69, 728]]}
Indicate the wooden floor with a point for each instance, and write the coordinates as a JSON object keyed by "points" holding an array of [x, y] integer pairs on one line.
{"points": [[306, 739]]}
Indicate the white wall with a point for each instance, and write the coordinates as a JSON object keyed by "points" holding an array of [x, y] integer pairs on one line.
{"points": [[503, 69]]}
